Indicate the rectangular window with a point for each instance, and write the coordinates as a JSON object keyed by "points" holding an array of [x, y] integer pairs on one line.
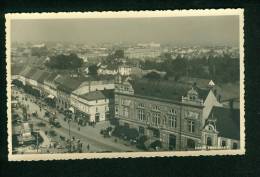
{"points": [[125, 111], [141, 114], [172, 121], [116, 110], [156, 119], [191, 126]]}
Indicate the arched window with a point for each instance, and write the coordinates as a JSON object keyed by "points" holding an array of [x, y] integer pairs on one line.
{"points": [[209, 141]]}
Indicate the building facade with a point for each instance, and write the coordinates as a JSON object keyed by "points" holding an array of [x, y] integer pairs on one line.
{"points": [[175, 124]]}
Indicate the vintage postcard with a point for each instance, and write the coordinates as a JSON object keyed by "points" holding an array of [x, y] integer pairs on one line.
{"points": [[125, 84]]}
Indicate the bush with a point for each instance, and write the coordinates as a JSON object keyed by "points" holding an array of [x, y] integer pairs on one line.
{"points": [[41, 124], [52, 133]]}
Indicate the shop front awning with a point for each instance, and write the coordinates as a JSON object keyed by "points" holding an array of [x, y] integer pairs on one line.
{"points": [[51, 96]]}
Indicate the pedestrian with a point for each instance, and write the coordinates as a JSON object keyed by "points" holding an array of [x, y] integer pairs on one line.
{"points": [[78, 128], [88, 147]]}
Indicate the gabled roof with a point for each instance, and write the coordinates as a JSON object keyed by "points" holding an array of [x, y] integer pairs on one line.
{"points": [[68, 84], [98, 95], [203, 93], [37, 75], [44, 75], [227, 122]]}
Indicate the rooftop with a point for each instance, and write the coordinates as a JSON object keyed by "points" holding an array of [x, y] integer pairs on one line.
{"points": [[68, 84], [227, 122], [98, 95], [160, 89]]}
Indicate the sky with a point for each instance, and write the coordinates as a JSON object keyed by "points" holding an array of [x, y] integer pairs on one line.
{"points": [[208, 30]]}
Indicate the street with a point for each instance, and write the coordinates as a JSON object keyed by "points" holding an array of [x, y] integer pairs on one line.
{"points": [[92, 140]]}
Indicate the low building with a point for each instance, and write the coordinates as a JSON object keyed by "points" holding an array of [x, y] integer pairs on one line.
{"points": [[222, 129], [94, 106]]}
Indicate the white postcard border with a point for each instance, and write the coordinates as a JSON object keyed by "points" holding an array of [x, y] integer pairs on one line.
{"points": [[125, 14]]}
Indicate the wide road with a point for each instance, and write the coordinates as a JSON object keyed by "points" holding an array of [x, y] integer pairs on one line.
{"points": [[88, 135]]}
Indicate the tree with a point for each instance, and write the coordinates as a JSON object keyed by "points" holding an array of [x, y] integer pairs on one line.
{"points": [[153, 76], [71, 61], [92, 69], [119, 54]]}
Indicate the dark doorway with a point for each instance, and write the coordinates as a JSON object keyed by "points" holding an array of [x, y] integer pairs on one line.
{"points": [[209, 141], [141, 130], [172, 142], [97, 117]]}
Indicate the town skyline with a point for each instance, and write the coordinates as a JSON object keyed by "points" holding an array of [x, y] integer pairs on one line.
{"points": [[179, 31]]}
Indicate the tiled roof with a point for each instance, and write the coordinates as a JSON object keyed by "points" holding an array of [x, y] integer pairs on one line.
{"points": [[227, 122], [97, 95], [68, 84]]}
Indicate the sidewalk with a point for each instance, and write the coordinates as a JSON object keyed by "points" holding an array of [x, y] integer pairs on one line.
{"points": [[91, 134]]}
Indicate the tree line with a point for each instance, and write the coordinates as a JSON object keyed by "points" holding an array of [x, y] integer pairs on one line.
{"points": [[221, 69]]}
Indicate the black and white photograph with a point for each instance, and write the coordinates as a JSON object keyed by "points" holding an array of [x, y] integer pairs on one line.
{"points": [[125, 84]]}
